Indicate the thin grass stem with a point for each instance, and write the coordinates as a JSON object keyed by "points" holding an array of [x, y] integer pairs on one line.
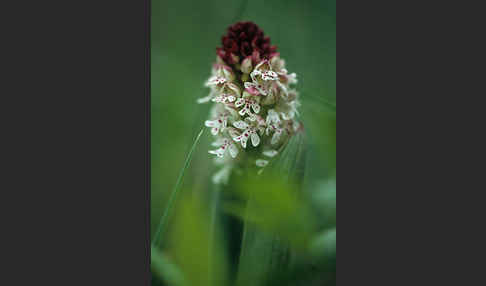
{"points": [[163, 221]]}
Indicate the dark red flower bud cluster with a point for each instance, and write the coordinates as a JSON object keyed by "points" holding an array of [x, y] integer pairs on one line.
{"points": [[245, 39]]}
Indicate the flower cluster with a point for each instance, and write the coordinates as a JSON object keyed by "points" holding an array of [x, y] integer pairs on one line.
{"points": [[254, 111]]}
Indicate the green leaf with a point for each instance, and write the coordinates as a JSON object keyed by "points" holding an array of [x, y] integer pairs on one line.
{"points": [[324, 244], [196, 246], [164, 268]]}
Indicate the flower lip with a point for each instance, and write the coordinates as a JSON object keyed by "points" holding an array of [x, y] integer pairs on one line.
{"points": [[242, 40]]}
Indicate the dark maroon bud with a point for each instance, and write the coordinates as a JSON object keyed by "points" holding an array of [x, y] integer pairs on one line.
{"points": [[234, 47], [244, 39], [254, 42], [245, 49], [227, 42]]}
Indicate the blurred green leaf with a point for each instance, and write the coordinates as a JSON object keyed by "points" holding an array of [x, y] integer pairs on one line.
{"points": [[189, 245], [324, 244], [323, 199], [277, 222], [165, 269]]}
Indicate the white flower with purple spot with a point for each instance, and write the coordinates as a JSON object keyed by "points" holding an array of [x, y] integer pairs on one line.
{"points": [[215, 80], [248, 132], [277, 133], [218, 124], [224, 145], [247, 104], [224, 98]]}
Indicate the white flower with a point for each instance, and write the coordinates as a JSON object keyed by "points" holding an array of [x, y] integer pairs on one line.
{"points": [[269, 75], [217, 125], [247, 103], [204, 99], [283, 89], [277, 63], [215, 80], [248, 131], [272, 117], [255, 85], [224, 98], [261, 163], [224, 71], [292, 78], [291, 110], [277, 133], [220, 114], [258, 122], [224, 144], [221, 91], [270, 153], [262, 78]]}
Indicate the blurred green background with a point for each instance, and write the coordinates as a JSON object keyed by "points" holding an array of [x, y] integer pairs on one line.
{"points": [[184, 37]]}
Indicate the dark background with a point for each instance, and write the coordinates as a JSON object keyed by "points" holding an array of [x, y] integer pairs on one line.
{"points": [[74, 197]]}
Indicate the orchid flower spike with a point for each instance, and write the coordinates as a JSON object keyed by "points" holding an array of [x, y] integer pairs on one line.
{"points": [[252, 98]]}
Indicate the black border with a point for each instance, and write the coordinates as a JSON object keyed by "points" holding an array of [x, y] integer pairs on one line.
{"points": [[75, 197], [147, 133]]}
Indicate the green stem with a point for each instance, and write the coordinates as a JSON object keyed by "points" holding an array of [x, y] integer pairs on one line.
{"points": [[163, 222], [215, 199]]}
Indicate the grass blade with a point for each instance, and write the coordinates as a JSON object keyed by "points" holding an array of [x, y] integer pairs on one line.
{"points": [[163, 221]]}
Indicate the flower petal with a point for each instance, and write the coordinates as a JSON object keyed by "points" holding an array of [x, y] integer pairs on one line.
{"points": [[270, 153], [255, 139], [239, 102], [218, 152], [276, 137], [261, 162], [233, 132], [234, 88], [205, 99], [240, 124], [211, 123], [244, 139], [218, 142], [233, 150], [255, 107]]}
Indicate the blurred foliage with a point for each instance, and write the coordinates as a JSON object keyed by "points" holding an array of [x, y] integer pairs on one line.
{"points": [[299, 210], [196, 250], [162, 267], [273, 201]]}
